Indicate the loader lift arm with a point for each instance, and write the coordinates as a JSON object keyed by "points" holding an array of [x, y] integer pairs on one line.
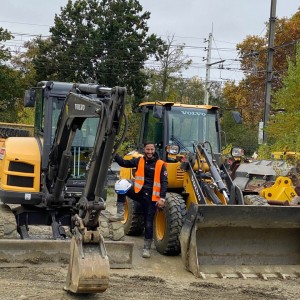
{"points": [[215, 172], [206, 183]]}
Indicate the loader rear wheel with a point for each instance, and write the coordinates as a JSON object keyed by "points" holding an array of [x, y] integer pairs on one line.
{"points": [[8, 225], [168, 223], [133, 218]]}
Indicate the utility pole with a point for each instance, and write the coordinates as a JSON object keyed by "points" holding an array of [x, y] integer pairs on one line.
{"points": [[269, 67], [208, 64]]}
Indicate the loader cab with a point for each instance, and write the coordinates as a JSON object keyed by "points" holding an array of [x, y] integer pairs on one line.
{"points": [[179, 126], [48, 98]]}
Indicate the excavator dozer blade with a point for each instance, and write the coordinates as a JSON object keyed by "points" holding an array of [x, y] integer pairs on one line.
{"points": [[241, 241], [88, 268], [14, 252]]}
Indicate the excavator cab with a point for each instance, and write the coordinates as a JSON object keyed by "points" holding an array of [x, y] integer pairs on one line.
{"points": [[48, 98]]}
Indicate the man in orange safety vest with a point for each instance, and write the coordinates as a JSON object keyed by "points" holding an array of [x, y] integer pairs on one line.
{"points": [[149, 189]]}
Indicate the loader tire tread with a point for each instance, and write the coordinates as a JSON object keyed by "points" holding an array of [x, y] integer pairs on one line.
{"points": [[8, 225], [175, 212], [134, 225], [113, 231], [255, 200]]}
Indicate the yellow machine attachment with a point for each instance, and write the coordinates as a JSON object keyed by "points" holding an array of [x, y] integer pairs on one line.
{"points": [[281, 192]]}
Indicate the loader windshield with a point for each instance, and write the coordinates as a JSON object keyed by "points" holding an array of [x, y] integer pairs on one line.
{"points": [[188, 126]]}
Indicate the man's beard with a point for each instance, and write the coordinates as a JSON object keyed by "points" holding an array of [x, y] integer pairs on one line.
{"points": [[149, 156]]}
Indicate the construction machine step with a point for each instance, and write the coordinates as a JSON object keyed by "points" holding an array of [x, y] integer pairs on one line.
{"points": [[58, 251]]}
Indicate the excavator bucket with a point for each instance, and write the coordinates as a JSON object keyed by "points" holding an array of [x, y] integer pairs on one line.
{"points": [[241, 241], [88, 268]]}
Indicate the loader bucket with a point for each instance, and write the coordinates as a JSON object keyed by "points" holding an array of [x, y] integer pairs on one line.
{"points": [[241, 241]]}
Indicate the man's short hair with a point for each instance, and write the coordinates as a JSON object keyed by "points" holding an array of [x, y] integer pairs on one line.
{"points": [[149, 143]]}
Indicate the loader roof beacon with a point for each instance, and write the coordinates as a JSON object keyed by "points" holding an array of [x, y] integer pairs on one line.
{"points": [[57, 178], [205, 215]]}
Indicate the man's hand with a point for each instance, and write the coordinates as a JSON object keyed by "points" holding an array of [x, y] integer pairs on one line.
{"points": [[160, 203]]}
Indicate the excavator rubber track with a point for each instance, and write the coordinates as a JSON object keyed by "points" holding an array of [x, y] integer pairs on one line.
{"points": [[242, 241]]}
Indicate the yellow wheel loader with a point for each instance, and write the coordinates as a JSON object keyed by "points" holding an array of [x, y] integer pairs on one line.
{"points": [[57, 179], [205, 217]]}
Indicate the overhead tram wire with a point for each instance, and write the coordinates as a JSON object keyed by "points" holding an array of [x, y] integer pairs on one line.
{"points": [[185, 47]]}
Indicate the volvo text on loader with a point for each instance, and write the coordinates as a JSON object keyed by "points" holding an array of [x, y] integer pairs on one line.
{"points": [[205, 216], [57, 178]]}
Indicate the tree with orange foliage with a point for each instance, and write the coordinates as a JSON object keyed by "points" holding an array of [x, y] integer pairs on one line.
{"points": [[249, 94]]}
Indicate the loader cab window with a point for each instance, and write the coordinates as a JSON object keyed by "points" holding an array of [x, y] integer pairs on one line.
{"points": [[153, 131], [188, 126]]}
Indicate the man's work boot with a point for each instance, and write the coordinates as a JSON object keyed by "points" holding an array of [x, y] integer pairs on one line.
{"points": [[119, 216], [147, 247]]}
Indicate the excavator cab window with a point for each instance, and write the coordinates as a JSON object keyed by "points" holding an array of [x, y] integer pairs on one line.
{"points": [[82, 147], [57, 104], [39, 112], [83, 141]]}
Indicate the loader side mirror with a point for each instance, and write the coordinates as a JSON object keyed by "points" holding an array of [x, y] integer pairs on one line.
{"points": [[237, 152], [157, 111], [172, 149], [29, 98], [237, 117]]}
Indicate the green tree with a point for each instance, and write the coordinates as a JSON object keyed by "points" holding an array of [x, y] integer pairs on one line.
{"points": [[284, 127], [190, 91], [165, 82], [9, 82], [106, 41], [250, 96], [4, 51]]}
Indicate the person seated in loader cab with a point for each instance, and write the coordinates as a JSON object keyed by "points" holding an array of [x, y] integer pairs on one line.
{"points": [[149, 189]]}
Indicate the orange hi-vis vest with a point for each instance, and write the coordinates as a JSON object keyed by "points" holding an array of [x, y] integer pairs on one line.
{"points": [[140, 177]]}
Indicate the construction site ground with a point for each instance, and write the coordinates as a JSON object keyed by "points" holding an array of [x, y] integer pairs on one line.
{"points": [[160, 277]]}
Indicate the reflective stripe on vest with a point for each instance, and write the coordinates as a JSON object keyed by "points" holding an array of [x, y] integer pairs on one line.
{"points": [[156, 183], [139, 175], [139, 178]]}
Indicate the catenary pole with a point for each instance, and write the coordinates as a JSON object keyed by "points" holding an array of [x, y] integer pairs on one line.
{"points": [[269, 74], [208, 65]]}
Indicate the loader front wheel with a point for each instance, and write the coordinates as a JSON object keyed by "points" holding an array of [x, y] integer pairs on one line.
{"points": [[168, 223], [133, 218]]}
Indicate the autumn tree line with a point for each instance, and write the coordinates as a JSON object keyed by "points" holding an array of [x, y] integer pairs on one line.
{"points": [[107, 42]]}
